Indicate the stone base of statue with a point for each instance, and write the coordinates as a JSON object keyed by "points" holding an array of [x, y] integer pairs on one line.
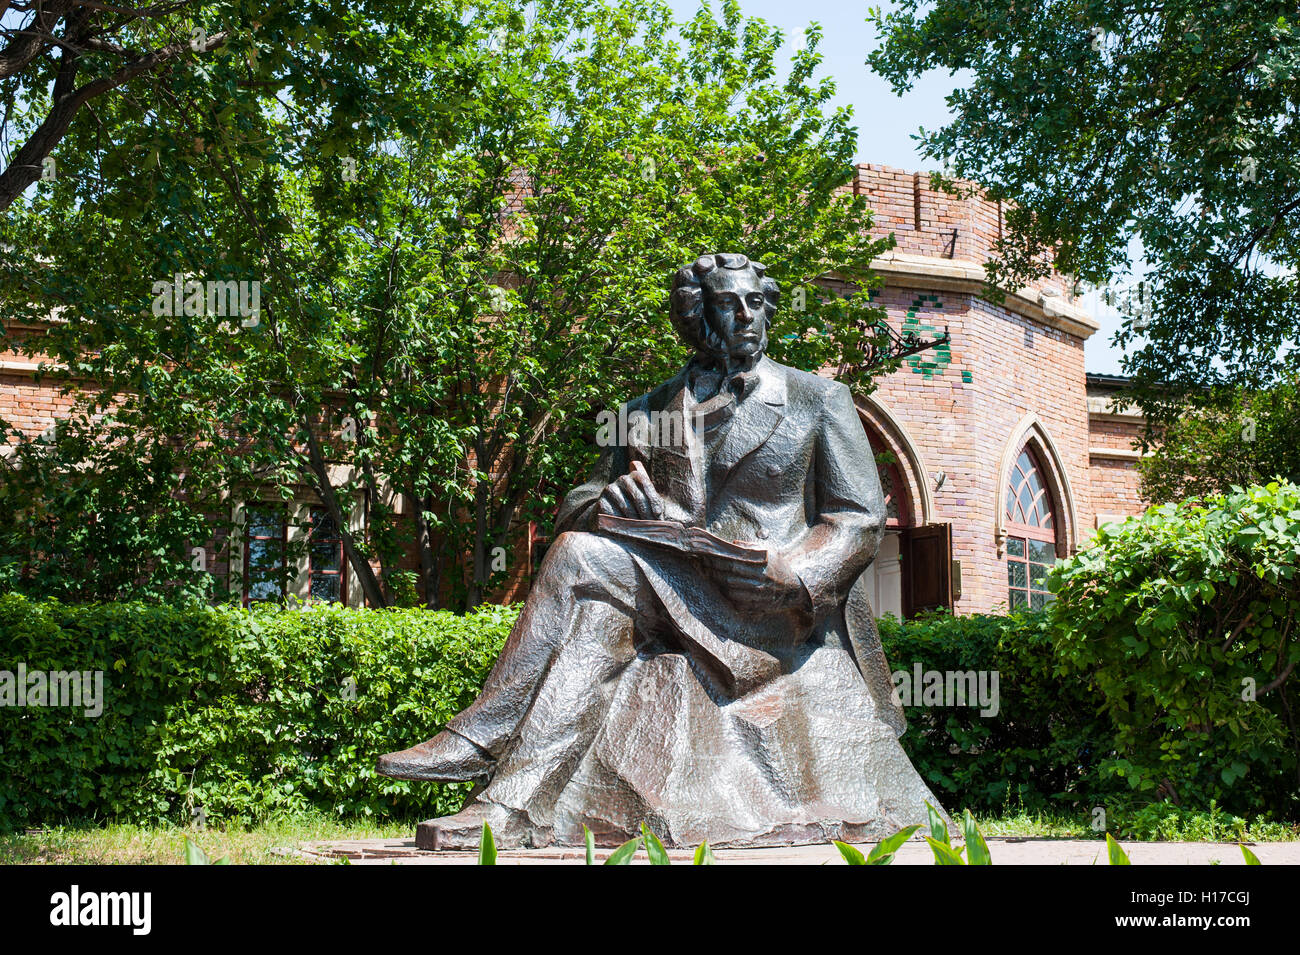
{"points": [[807, 758]]}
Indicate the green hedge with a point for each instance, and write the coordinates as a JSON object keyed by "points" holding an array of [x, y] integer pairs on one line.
{"points": [[245, 715], [1040, 750], [1187, 619], [237, 714]]}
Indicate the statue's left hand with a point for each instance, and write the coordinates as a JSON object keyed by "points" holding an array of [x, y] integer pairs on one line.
{"points": [[774, 586]]}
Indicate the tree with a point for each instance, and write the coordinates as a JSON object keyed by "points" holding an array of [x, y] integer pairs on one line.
{"points": [[139, 202], [1103, 122], [89, 512], [1252, 439], [100, 48], [463, 246]]}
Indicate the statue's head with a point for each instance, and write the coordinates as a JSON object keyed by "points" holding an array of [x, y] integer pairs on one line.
{"points": [[722, 306]]}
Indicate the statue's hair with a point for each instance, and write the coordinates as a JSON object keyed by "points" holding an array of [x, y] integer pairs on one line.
{"points": [[686, 303]]}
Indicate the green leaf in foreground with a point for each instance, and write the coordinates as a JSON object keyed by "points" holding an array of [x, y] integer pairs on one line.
{"points": [[590, 840], [1250, 857], [193, 854], [654, 848], [851, 855], [977, 850], [1115, 851], [883, 852], [938, 828], [624, 853], [944, 854], [704, 855], [196, 856], [487, 846]]}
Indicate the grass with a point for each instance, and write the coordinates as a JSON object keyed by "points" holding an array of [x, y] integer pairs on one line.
{"points": [[1160, 822], [1037, 825], [120, 844]]}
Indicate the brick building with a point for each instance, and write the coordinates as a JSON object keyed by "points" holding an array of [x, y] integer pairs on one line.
{"points": [[1007, 454]]}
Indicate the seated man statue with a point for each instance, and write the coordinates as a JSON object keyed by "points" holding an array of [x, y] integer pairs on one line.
{"points": [[694, 652]]}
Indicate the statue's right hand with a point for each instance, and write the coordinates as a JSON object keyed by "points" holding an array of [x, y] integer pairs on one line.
{"points": [[633, 495]]}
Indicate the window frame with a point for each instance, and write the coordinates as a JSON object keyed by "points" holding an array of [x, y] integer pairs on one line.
{"points": [[341, 573], [1025, 535], [893, 484], [246, 537]]}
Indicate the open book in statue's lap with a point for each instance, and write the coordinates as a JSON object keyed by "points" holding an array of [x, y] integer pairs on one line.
{"points": [[694, 652]]}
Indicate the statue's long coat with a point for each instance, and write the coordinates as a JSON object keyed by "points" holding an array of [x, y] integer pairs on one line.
{"points": [[795, 474], [647, 695]]}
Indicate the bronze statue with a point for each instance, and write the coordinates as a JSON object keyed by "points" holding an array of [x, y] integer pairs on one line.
{"points": [[695, 652]]}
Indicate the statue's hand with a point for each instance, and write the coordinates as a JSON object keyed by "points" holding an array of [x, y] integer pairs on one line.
{"points": [[633, 495], [774, 586]]}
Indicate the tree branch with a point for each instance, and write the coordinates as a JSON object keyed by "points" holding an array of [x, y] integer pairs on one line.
{"points": [[28, 44], [26, 165]]}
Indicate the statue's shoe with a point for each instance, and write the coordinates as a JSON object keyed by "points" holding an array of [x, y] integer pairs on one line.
{"points": [[464, 830], [447, 758]]}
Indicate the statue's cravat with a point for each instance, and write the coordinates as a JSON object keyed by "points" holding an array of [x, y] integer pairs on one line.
{"points": [[708, 382]]}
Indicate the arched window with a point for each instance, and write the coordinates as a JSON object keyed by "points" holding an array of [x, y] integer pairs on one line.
{"points": [[1031, 525]]}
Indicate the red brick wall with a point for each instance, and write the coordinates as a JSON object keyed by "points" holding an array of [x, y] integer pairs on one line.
{"points": [[1113, 481], [1015, 365], [1114, 487], [27, 405], [898, 195], [962, 428]]}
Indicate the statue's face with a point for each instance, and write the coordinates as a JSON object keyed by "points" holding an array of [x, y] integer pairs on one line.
{"points": [[735, 308]]}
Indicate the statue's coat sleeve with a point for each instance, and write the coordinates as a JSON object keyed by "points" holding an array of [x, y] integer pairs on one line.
{"points": [[578, 512], [848, 504]]}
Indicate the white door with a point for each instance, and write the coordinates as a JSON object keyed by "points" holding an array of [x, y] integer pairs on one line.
{"points": [[885, 578]]}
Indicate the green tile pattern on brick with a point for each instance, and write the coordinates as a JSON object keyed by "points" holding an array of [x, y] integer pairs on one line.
{"points": [[932, 361]]}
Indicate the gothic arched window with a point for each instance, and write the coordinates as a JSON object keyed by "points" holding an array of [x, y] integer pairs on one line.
{"points": [[1031, 533]]}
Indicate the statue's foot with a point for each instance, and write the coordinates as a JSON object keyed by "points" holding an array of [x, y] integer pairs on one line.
{"points": [[447, 758], [464, 830]]}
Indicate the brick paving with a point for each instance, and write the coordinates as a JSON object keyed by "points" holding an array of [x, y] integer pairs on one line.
{"points": [[1005, 851]]}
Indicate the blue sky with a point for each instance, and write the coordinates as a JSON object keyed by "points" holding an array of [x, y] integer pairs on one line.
{"points": [[886, 123]]}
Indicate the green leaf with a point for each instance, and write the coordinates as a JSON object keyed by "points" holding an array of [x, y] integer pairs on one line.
{"points": [[193, 854], [944, 854], [938, 828], [977, 850], [1250, 857], [851, 855], [654, 848], [1115, 852], [487, 846], [883, 852], [624, 853], [704, 855], [590, 841]]}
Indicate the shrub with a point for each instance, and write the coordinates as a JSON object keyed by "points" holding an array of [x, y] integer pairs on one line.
{"points": [[1040, 749], [1186, 619], [233, 713]]}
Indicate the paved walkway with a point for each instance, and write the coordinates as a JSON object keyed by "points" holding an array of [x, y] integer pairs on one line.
{"points": [[1005, 851]]}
